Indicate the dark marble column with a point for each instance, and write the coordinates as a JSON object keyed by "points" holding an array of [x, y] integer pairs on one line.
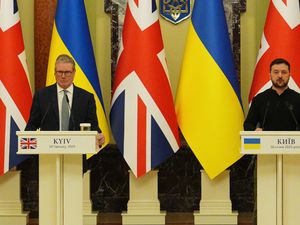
{"points": [[44, 13]]}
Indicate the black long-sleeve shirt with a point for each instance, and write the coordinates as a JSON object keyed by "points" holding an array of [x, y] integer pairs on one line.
{"points": [[273, 112]]}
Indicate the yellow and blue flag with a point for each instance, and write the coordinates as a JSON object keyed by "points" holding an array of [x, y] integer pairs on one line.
{"points": [[208, 102], [71, 36], [251, 143]]}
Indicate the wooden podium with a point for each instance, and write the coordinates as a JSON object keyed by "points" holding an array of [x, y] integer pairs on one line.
{"points": [[60, 172], [278, 174]]}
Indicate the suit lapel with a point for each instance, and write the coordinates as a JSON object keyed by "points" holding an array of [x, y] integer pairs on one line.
{"points": [[74, 108], [55, 101]]}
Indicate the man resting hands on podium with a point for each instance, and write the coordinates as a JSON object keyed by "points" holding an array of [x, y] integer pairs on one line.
{"points": [[63, 106], [277, 108]]}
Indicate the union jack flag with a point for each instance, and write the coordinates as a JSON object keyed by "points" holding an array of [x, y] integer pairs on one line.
{"points": [[142, 116], [280, 40], [15, 92], [28, 143]]}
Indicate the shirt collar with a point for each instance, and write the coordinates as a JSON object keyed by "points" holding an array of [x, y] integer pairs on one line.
{"points": [[69, 89], [275, 92]]}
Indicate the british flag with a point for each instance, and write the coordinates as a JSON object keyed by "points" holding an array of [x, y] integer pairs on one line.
{"points": [[142, 116], [28, 143], [280, 40], [15, 92]]}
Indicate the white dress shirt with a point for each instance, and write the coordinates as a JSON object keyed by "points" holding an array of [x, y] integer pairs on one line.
{"points": [[60, 95]]}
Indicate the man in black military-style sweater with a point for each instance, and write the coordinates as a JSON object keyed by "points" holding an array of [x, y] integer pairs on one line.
{"points": [[277, 108]]}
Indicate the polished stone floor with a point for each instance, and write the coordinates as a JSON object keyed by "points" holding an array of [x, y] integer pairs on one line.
{"points": [[171, 219]]}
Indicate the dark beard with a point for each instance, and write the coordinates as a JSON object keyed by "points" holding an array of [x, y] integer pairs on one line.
{"points": [[283, 85]]}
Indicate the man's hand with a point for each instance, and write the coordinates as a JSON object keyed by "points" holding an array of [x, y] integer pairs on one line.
{"points": [[100, 139], [258, 129]]}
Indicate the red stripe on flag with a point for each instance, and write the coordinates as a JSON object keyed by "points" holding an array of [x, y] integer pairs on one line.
{"points": [[283, 42], [140, 55], [2, 137], [141, 140], [12, 73]]}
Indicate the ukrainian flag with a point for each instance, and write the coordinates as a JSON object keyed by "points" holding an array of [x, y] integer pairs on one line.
{"points": [[252, 143], [71, 36], [208, 103]]}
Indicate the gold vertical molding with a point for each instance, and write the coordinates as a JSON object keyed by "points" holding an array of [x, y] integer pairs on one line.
{"points": [[252, 24], [174, 38], [102, 49], [44, 11], [26, 9]]}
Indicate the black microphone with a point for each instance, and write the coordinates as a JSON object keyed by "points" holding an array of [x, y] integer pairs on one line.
{"points": [[291, 109], [71, 115], [45, 115], [265, 115]]}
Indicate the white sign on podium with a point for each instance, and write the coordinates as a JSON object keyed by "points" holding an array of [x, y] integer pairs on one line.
{"points": [[57, 142], [60, 172], [270, 142], [278, 176]]}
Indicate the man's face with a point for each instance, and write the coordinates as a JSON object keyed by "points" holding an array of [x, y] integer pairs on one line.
{"points": [[280, 75], [64, 74]]}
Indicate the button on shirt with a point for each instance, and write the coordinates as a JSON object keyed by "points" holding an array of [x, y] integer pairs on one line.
{"points": [[60, 95]]}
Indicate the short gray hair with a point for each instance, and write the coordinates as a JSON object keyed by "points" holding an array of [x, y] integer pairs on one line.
{"points": [[63, 58]]}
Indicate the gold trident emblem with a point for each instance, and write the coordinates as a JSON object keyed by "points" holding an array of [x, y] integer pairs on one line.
{"points": [[175, 7]]}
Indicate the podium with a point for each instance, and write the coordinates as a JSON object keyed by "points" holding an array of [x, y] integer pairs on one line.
{"points": [[278, 174], [60, 172]]}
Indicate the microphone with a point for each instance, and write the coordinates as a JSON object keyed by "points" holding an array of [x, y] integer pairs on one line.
{"points": [[291, 109], [45, 115], [265, 115], [71, 115]]}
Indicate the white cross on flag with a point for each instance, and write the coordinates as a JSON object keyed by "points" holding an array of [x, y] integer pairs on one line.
{"points": [[281, 39], [142, 117], [15, 92]]}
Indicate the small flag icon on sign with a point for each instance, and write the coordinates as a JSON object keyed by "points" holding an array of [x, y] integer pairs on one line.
{"points": [[252, 143], [28, 143]]}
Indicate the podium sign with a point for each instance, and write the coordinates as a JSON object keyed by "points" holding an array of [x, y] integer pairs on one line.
{"points": [[270, 142], [57, 142]]}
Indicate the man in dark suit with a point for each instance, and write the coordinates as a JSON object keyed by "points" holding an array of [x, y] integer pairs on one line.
{"points": [[46, 111]]}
